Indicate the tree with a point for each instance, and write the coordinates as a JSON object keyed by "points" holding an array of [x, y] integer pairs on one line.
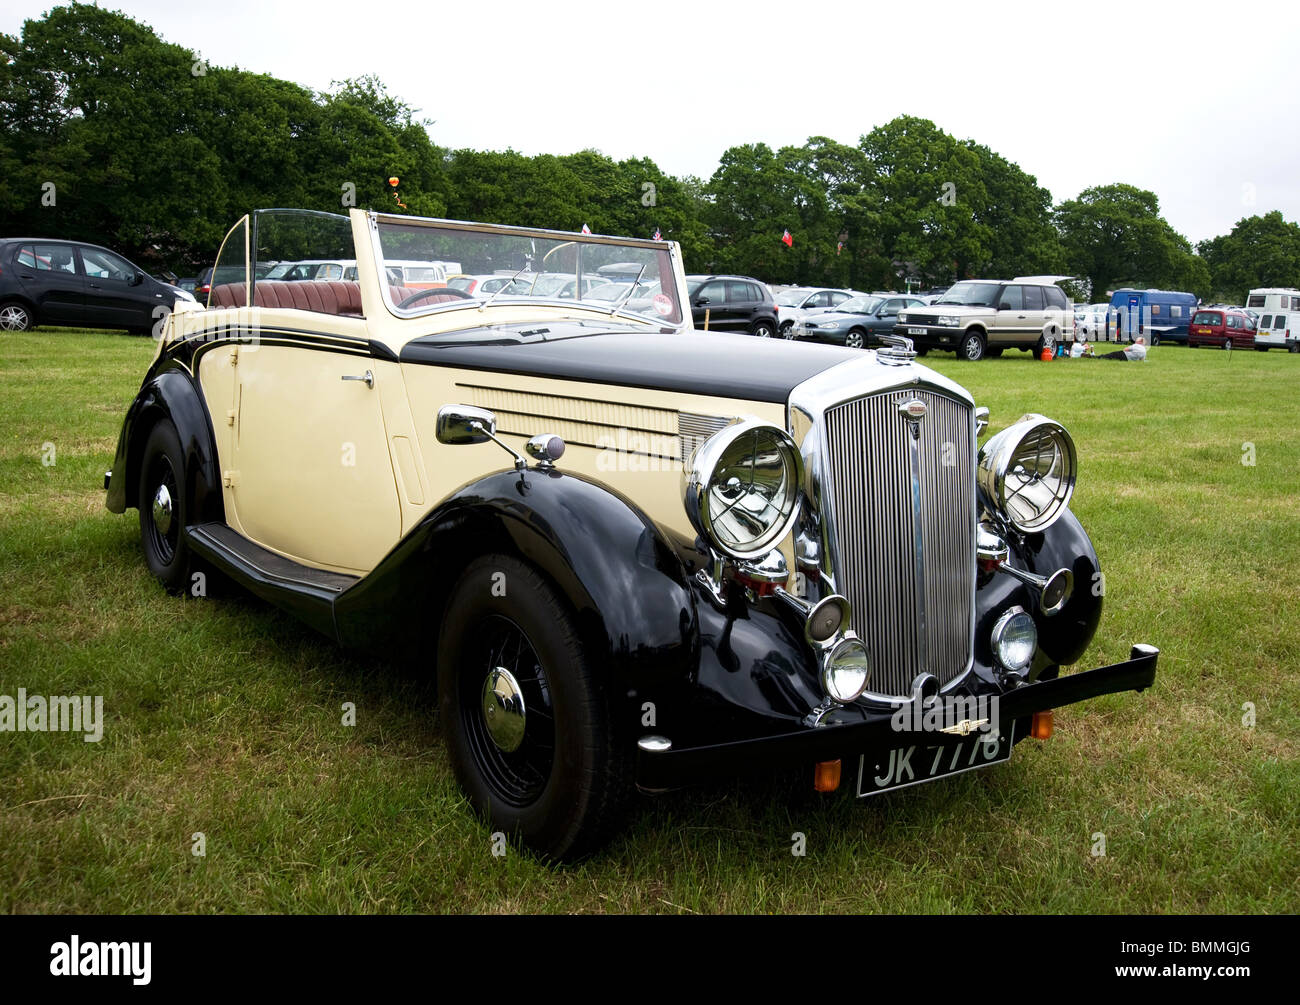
{"points": [[1114, 235], [1259, 251]]}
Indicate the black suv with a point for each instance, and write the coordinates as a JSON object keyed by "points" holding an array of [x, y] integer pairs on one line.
{"points": [[70, 284], [732, 304]]}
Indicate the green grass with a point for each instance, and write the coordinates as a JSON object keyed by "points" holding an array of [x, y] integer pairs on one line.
{"points": [[223, 715]]}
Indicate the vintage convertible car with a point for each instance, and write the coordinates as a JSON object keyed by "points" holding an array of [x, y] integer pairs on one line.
{"points": [[633, 553]]}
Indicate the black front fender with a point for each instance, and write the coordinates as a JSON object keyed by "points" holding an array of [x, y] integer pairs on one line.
{"points": [[625, 583], [1064, 636], [170, 395]]}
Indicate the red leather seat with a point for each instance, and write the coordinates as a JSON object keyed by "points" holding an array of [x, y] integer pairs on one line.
{"points": [[333, 297]]}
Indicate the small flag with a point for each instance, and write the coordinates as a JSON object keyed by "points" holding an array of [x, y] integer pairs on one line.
{"points": [[586, 229], [839, 246], [657, 237], [787, 240]]}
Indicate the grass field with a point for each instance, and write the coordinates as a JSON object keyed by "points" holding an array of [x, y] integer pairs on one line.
{"points": [[223, 715]]}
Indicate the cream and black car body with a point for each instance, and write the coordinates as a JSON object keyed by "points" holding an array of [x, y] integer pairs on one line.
{"points": [[634, 554]]}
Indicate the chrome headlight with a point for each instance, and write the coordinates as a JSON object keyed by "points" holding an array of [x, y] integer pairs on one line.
{"points": [[1026, 473], [742, 490], [1015, 637], [948, 319], [846, 670]]}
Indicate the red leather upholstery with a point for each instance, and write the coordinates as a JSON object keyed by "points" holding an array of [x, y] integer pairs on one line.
{"points": [[333, 297]]}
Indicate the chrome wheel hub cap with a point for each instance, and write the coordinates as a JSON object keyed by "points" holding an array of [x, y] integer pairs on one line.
{"points": [[162, 510], [503, 709]]}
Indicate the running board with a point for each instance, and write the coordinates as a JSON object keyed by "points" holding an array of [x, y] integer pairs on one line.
{"points": [[300, 589]]}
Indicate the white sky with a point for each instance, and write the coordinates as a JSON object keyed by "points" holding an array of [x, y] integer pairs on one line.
{"points": [[1196, 101]]}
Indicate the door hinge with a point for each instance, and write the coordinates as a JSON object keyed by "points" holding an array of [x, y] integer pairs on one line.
{"points": [[230, 417], [234, 356], [230, 479]]}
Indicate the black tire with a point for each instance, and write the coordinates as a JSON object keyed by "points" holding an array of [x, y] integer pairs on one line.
{"points": [[1045, 341], [787, 330], [15, 316], [1227, 343], [972, 347], [762, 328], [1155, 341], [855, 338], [162, 465], [1294, 347], [562, 788], [922, 352]]}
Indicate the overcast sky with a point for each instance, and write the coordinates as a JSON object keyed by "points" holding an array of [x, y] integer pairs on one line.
{"points": [[1195, 101]]}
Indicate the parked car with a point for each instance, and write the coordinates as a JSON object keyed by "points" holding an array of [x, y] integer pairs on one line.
{"points": [[1090, 321], [732, 303], [793, 304], [857, 323], [487, 285], [1157, 315], [314, 270], [1274, 330], [71, 284], [983, 317], [630, 552], [1222, 328], [203, 288]]}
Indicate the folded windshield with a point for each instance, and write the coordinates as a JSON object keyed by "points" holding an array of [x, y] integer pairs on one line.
{"points": [[433, 265]]}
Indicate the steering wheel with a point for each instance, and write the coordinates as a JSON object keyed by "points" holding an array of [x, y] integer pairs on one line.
{"points": [[436, 291]]}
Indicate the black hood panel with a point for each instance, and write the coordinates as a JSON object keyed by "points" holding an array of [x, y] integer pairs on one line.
{"points": [[715, 363]]}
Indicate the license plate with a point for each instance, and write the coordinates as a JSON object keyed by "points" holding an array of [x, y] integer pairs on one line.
{"points": [[912, 765], [916, 331]]}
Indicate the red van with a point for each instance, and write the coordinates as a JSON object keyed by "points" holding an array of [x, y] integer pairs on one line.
{"points": [[1222, 327]]}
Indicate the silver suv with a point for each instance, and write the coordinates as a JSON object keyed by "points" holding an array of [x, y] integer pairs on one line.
{"points": [[981, 317]]}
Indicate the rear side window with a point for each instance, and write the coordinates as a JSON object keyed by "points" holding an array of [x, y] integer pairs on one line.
{"points": [[1056, 297], [741, 293], [1033, 298], [838, 298], [47, 257]]}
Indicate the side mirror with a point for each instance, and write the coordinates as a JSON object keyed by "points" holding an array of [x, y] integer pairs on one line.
{"points": [[703, 301], [459, 424], [136, 279]]}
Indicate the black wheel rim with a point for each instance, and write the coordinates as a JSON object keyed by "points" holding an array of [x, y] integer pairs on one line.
{"points": [[520, 776], [164, 544]]}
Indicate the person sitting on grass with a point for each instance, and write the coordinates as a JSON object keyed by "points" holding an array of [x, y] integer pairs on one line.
{"points": [[1137, 351], [1080, 348]]}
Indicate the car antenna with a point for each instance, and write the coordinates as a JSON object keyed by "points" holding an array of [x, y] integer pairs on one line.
{"points": [[630, 290]]}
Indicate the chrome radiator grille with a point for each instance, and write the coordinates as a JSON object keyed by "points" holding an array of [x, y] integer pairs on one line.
{"points": [[902, 516]]}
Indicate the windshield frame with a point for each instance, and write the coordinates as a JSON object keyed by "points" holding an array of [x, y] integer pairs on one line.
{"points": [[670, 263]]}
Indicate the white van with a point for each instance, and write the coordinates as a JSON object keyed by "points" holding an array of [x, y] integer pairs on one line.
{"points": [[1274, 328]]}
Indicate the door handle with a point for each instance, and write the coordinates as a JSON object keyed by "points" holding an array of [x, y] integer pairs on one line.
{"points": [[367, 378]]}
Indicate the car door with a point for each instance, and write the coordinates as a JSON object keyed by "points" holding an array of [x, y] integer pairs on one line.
{"points": [[743, 300], [1034, 308], [886, 315], [709, 305], [50, 277], [311, 475], [116, 293], [1009, 324]]}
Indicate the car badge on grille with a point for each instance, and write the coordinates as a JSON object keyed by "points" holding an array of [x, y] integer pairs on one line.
{"points": [[965, 727], [913, 410]]}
